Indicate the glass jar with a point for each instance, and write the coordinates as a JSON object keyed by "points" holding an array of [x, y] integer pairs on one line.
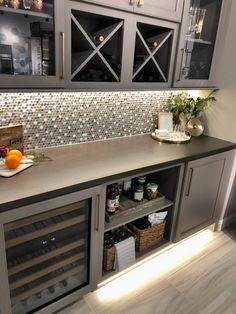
{"points": [[138, 193], [151, 191], [127, 186], [141, 180]]}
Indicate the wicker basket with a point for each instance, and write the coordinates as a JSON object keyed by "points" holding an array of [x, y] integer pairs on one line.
{"points": [[146, 238], [109, 254], [109, 258]]}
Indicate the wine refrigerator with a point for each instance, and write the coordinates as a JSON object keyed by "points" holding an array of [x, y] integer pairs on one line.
{"points": [[47, 250]]}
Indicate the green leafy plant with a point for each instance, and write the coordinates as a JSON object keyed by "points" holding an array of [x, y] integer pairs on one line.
{"points": [[184, 107]]}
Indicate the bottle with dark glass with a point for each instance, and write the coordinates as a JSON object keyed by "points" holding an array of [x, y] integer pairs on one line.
{"points": [[97, 39], [111, 199]]}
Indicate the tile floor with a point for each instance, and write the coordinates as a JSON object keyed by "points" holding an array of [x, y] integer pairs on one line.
{"points": [[203, 283]]}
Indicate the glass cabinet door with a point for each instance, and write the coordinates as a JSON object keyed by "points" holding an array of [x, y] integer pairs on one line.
{"points": [[198, 41], [28, 42]]}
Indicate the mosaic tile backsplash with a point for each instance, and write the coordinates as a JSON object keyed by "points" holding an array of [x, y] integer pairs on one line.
{"points": [[60, 118]]}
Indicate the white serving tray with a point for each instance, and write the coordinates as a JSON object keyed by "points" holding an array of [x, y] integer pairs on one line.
{"points": [[6, 172]]}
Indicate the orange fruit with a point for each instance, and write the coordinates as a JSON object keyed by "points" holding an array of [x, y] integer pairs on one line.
{"points": [[15, 152], [12, 161]]}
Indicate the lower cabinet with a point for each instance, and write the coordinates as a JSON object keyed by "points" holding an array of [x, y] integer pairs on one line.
{"points": [[48, 252], [200, 194], [54, 251]]}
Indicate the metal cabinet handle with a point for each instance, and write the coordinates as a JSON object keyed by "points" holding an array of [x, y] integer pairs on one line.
{"points": [[140, 3], [181, 64], [97, 212], [62, 49], [190, 175], [131, 2]]}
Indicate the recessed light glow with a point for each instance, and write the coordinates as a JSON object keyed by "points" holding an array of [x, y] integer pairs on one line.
{"points": [[154, 268]]}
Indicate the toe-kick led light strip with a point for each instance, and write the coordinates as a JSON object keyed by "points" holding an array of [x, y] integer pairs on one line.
{"points": [[154, 267]]}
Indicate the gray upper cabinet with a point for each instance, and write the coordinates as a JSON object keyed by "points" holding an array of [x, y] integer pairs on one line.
{"points": [[199, 195], [201, 37], [127, 5], [108, 48], [31, 44], [164, 9]]}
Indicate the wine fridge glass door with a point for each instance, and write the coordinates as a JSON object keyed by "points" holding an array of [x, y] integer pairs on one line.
{"points": [[48, 255]]}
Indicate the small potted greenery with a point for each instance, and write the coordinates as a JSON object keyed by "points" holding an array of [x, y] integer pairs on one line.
{"points": [[184, 107]]}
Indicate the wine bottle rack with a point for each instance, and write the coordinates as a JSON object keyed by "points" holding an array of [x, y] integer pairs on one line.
{"points": [[152, 53], [45, 253], [95, 46]]}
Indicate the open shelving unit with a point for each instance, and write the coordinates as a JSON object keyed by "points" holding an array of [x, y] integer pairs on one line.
{"points": [[95, 47], [130, 211]]}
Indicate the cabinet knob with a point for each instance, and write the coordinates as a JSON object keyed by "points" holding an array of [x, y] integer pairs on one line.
{"points": [[140, 3]]}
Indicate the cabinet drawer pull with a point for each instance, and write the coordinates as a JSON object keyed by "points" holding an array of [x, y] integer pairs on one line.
{"points": [[181, 64], [190, 175], [62, 48], [97, 212], [140, 3], [131, 2]]}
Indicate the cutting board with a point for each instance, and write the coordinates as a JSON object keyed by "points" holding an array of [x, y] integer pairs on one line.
{"points": [[6, 172]]}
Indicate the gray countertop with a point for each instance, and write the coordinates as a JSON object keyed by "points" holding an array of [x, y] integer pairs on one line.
{"points": [[81, 166]]}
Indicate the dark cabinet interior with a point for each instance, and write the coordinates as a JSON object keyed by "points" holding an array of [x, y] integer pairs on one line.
{"points": [[27, 38], [96, 46], [152, 53]]}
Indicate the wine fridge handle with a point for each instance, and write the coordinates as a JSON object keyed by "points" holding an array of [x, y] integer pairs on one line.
{"points": [[140, 3], [181, 64], [97, 212], [62, 49]]}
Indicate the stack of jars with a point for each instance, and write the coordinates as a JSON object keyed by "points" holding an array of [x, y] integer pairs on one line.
{"points": [[136, 188]]}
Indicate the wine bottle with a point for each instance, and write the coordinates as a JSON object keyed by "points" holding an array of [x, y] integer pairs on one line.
{"points": [[109, 57], [152, 42], [138, 59], [141, 77], [150, 78], [97, 38]]}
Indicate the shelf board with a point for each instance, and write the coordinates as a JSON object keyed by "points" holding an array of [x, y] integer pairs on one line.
{"points": [[46, 270], [26, 12], [139, 257], [199, 41], [40, 259], [66, 274], [45, 231], [131, 210]]}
